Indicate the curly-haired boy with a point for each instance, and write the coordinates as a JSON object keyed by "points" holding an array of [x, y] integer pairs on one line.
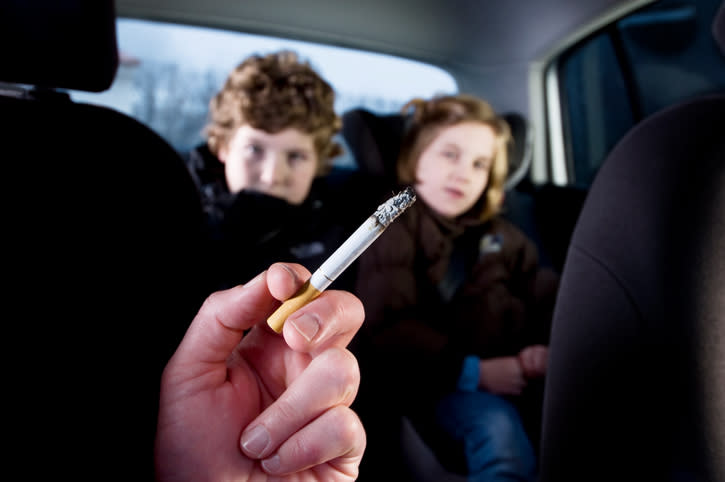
{"points": [[270, 141]]}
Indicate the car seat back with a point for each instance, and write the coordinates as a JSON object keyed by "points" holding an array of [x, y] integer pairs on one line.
{"points": [[635, 388], [101, 230]]}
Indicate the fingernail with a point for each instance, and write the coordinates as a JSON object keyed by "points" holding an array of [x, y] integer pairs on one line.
{"points": [[307, 325], [255, 441], [272, 464], [289, 270]]}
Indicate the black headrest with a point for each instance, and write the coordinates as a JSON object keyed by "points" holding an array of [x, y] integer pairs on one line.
{"points": [[374, 140], [718, 28], [519, 148], [68, 44]]}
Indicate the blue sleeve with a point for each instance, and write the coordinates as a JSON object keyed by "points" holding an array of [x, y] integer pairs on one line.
{"points": [[468, 381]]}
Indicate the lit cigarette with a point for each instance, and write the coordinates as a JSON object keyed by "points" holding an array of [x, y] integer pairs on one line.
{"points": [[344, 256]]}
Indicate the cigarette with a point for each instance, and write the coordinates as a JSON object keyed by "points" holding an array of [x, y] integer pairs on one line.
{"points": [[344, 256]]}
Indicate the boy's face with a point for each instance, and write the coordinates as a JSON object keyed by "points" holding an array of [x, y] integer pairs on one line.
{"points": [[282, 165], [453, 170]]}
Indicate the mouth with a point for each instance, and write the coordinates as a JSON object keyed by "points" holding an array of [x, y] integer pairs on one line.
{"points": [[453, 192]]}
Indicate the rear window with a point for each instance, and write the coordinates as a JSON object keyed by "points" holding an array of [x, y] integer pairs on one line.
{"points": [[168, 73]]}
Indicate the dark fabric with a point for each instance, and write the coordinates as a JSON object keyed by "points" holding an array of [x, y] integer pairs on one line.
{"points": [[718, 28], [59, 44], [555, 210], [634, 387], [412, 344], [374, 140], [248, 231], [101, 223]]}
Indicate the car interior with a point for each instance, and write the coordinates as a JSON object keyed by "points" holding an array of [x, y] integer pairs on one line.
{"points": [[100, 208]]}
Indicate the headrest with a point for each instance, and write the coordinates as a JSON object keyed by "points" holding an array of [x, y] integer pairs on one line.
{"points": [[718, 28], [520, 148], [374, 140], [68, 44]]}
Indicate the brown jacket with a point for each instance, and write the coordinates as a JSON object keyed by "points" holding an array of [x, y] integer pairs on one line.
{"points": [[415, 335]]}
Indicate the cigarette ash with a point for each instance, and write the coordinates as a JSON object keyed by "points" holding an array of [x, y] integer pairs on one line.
{"points": [[393, 207]]}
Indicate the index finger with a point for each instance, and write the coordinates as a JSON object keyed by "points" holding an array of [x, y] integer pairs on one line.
{"points": [[331, 319]]}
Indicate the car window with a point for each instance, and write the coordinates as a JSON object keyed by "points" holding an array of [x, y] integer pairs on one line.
{"points": [[646, 61], [168, 73]]}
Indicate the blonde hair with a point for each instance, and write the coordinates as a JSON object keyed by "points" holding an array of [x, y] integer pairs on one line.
{"points": [[272, 93], [428, 117]]}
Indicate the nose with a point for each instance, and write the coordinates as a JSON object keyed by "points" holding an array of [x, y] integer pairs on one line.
{"points": [[274, 169], [462, 172]]}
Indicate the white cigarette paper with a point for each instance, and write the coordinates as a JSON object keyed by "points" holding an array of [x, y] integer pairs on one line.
{"points": [[344, 256]]}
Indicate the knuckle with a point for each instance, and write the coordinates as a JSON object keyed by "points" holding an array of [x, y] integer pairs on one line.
{"points": [[343, 368], [349, 309], [347, 425], [287, 409]]}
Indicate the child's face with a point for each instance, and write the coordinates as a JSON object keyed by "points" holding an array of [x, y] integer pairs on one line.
{"points": [[282, 165], [453, 170]]}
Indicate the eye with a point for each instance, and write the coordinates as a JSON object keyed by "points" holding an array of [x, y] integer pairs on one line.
{"points": [[450, 154], [254, 152], [295, 157], [481, 164]]}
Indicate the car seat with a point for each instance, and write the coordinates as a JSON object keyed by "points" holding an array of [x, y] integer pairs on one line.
{"points": [[635, 387], [374, 141], [101, 225]]}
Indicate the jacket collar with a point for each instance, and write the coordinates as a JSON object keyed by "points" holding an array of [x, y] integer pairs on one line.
{"points": [[437, 234]]}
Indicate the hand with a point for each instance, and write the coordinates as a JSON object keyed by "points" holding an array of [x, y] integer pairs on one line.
{"points": [[261, 405], [534, 360], [501, 376]]}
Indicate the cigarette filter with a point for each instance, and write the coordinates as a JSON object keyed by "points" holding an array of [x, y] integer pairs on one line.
{"points": [[344, 256]]}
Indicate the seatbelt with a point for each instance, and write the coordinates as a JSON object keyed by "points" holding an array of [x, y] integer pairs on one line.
{"points": [[464, 253]]}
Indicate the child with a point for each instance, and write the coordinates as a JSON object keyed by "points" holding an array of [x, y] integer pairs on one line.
{"points": [[270, 141], [457, 308]]}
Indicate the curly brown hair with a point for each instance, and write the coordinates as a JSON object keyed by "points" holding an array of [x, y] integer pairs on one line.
{"points": [[428, 117], [272, 93]]}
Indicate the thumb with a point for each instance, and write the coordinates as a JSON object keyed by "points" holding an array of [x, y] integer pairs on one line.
{"points": [[220, 324], [225, 315]]}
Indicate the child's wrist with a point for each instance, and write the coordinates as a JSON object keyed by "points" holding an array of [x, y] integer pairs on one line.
{"points": [[522, 365]]}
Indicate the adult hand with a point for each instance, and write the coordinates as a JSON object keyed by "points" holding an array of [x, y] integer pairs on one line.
{"points": [[534, 360], [238, 405], [501, 376]]}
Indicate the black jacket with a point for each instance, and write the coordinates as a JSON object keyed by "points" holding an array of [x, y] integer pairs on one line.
{"points": [[248, 231]]}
